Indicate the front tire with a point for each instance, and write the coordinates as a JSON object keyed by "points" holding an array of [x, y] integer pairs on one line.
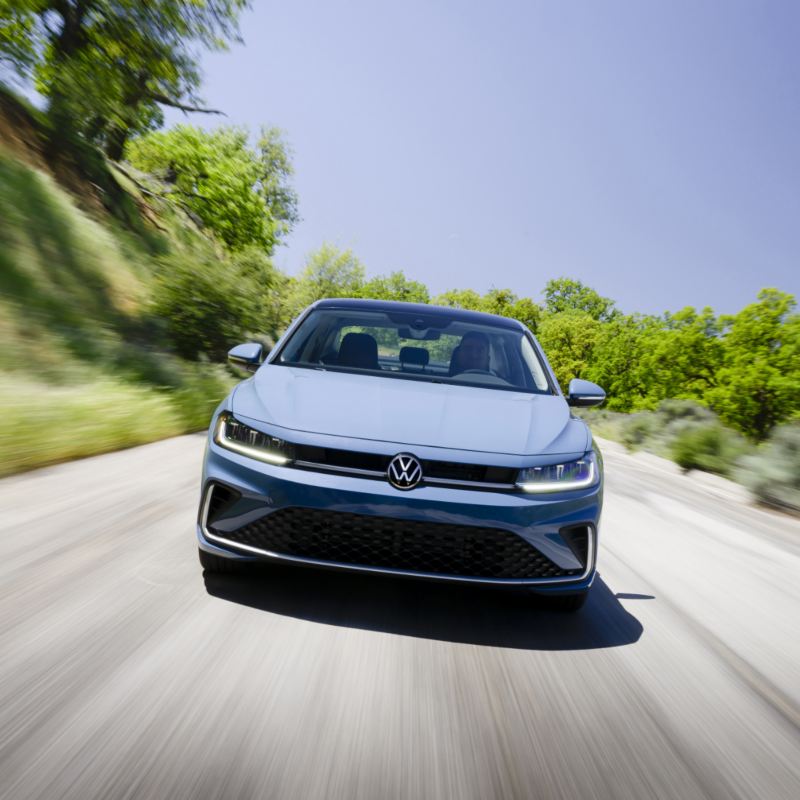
{"points": [[217, 565]]}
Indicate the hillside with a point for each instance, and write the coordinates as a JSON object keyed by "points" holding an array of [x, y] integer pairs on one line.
{"points": [[85, 366]]}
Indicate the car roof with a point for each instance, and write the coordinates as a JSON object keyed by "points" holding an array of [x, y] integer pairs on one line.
{"points": [[419, 308]]}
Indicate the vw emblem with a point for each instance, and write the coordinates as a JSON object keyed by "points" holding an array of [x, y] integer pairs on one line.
{"points": [[405, 471]]}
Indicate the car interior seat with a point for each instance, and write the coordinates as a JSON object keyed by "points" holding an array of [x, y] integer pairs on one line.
{"points": [[414, 358], [358, 350], [455, 361]]}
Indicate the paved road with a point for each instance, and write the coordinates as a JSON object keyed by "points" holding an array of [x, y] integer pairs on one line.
{"points": [[123, 674]]}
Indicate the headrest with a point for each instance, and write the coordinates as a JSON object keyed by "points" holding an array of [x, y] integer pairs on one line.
{"points": [[358, 350], [455, 358], [418, 356]]}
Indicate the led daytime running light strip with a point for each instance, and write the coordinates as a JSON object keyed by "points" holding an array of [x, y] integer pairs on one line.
{"points": [[243, 449], [561, 486]]}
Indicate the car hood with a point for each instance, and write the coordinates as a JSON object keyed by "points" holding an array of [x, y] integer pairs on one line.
{"points": [[410, 412]]}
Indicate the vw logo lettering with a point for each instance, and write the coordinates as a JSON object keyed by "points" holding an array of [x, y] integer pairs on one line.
{"points": [[404, 471]]}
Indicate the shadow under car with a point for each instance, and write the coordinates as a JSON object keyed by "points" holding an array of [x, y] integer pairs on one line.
{"points": [[463, 613]]}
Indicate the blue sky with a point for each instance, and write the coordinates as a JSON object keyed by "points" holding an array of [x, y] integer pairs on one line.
{"points": [[651, 150]]}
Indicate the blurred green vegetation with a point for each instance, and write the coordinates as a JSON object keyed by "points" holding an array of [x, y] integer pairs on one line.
{"points": [[695, 438], [772, 472], [240, 193], [132, 258], [107, 70], [85, 366]]}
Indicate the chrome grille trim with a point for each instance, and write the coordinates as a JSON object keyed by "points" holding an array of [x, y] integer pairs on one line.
{"points": [[313, 465], [375, 473], [468, 484]]}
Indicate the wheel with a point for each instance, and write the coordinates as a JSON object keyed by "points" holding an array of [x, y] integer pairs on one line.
{"points": [[217, 564], [566, 603]]}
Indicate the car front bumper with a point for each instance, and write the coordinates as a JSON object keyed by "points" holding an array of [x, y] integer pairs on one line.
{"points": [[542, 522]]}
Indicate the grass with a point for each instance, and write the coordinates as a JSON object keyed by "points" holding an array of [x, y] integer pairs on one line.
{"points": [[43, 424]]}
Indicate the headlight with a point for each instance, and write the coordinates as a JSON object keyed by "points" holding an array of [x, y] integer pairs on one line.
{"points": [[234, 435], [560, 477]]}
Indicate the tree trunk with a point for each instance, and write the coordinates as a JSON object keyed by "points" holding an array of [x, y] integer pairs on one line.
{"points": [[65, 45], [115, 142]]}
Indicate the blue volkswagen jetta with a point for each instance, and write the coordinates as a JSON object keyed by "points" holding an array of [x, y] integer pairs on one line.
{"points": [[408, 440]]}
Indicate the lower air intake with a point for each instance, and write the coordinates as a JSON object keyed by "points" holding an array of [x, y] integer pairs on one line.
{"points": [[384, 542]]}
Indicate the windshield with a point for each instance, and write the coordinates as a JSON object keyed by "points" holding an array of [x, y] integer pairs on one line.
{"points": [[434, 348]]}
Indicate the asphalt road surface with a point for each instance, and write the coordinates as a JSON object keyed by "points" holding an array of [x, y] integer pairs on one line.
{"points": [[125, 674]]}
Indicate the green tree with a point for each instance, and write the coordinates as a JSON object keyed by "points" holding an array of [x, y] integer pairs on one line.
{"points": [[616, 361], [496, 301], [108, 67], [758, 382], [395, 286], [329, 272], [208, 306], [468, 299], [567, 294], [507, 304], [528, 312], [569, 339], [241, 193], [680, 356]]}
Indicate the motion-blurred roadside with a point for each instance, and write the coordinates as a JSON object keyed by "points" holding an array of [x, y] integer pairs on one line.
{"points": [[131, 259]]}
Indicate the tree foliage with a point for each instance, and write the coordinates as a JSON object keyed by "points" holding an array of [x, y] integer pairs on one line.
{"points": [[569, 339], [328, 272], [495, 301], [758, 383], [208, 306], [241, 193], [107, 68], [16, 36], [616, 358], [395, 286], [567, 294]]}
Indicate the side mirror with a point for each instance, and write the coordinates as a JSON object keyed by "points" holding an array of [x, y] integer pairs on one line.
{"points": [[583, 394], [247, 356]]}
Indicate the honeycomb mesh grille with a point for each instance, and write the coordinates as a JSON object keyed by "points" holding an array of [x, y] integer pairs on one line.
{"points": [[388, 543]]}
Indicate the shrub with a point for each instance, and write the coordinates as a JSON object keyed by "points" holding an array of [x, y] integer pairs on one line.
{"points": [[200, 391], [656, 430], [207, 306], [639, 429], [674, 411], [604, 423], [710, 447], [773, 472]]}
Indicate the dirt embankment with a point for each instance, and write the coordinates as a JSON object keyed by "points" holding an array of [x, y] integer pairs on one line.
{"points": [[78, 167]]}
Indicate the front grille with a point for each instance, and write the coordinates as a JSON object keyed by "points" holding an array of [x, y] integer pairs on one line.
{"points": [[383, 542], [478, 473], [350, 459], [331, 458]]}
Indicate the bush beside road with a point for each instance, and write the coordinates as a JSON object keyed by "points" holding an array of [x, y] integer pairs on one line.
{"points": [[695, 439]]}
